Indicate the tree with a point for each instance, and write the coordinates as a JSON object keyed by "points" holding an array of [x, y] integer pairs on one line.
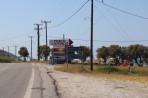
{"points": [[102, 53], [23, 52], [44, 52], [136, 51], [114, 51], [123, 54], [145, 54], [86, 52]]}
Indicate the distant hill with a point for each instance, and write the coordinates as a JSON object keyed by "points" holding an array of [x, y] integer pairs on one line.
{"points": [[5, 53]]}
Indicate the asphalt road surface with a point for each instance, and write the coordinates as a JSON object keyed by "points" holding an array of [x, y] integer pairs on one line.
{"points": [[25, 80]]}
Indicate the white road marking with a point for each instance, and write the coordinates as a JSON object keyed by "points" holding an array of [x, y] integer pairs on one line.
{"points": [[30, 85], [4, 68]]}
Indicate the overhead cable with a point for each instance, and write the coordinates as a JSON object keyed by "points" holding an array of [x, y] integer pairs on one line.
{"points": [[71, 15], [113, 41], [122, 10]]}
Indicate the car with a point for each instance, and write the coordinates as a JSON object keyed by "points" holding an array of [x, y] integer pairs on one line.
{"points": [[125, 64]]}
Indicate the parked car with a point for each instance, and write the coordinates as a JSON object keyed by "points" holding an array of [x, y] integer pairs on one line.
{"points": [[124, 64]]}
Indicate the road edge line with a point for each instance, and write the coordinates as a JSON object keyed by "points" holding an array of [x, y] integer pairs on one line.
{"points": [[30, 85]]}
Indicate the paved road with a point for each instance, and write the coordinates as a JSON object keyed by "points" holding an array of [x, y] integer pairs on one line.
{"points": [[25, 80]]}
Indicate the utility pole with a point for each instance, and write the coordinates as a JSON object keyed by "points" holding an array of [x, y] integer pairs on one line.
{"points": [[8, 50], [31, 45], [91, 37], [46, 29], [3, 52], [15, 50], [38, 34], [46, 34]]}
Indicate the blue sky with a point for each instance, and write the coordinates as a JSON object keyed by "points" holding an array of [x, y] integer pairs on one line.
{"points": [[18, 17]]}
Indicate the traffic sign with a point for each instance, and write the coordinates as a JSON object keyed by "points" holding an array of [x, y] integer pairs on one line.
{"points": [[76, 56], [70, 42], [75, 48], [59, 50], [60, 42], [59, 55], [57, 42]]}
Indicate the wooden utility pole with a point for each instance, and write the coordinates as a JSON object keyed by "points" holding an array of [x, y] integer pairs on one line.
{"points": [[46, 35], [38, 34], [3, 51], [46, 29], [91, 38], [15, 50], [31, 45], [8, 50]]}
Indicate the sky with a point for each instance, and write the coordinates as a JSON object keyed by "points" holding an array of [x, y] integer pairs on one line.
{"points": [[111, 26]]}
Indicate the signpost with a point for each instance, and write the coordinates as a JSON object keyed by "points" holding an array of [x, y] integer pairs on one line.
{"points": [[75, 48], [59, 54], [76, 56], [59, 50], [60, 42]]}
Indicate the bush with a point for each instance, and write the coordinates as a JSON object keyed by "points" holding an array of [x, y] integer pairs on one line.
{"points": [[5, 60], [108, 69]]}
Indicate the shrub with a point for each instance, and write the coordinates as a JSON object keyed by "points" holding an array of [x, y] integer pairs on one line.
{"points": [[5, 60], [108, 69]]}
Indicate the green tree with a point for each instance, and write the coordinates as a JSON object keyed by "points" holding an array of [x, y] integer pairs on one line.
{"points": [[44, 52], [123, 54], [86, 52], [145, 54], [23, 52], [102, 53], [136, 51], [115, 51]]}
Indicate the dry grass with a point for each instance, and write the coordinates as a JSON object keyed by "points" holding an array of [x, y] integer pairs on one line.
{"points": [[36, 61], [117, 72]]}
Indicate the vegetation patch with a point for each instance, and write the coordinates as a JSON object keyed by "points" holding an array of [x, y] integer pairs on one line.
{"points": [[116, 72], [36, 61], [108, 70], [6, 60]]}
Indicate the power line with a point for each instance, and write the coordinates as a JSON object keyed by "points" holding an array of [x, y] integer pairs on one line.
{"points": [[122, 10], [16, 37], [111, 24], [71, 15], [120, 25], [104, 12], [113, 41], [104, 40]]}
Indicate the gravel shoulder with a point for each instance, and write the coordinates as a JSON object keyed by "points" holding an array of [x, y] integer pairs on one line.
{"points": [[77, 86]]}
